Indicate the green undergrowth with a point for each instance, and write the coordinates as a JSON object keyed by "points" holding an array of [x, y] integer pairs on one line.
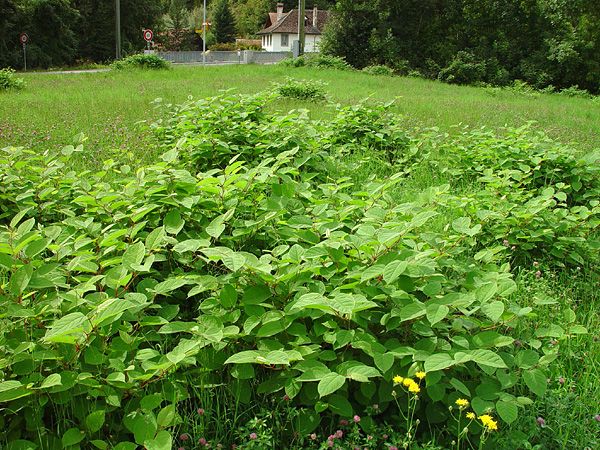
{"points": [[282, 281]]}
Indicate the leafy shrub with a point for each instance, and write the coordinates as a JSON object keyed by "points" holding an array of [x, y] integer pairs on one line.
{"points": [[463, 69], [536, 196], [523, 88], [317, 60], [378, 70], [141, 61], [8, 80], [239, 265], [574, 91], [301, 89]]}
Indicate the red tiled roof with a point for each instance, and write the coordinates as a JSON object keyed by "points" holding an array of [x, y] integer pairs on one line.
{"points": [[289, 22]]}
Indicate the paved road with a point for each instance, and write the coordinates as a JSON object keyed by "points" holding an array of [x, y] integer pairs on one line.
{"points": [[60, 72]]}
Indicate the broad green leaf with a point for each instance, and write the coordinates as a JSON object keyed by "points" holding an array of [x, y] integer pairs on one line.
{"points": [[216, 227], [312, 301], [95, 420], [234, 261], [487, 358], [493, 310], [436, 313], [349, 304], [173, 222], [507, 411], [51, 380], [190, 245], [438, 361], [72, 436], [162, 441], [68, 329], [393, 270], [166, 416], [460, 387], [330, 383], [362, 373], [134, 255], [21, 444], [155, 239], [412, 311], [526, 359], [384, 361], [20, 279], [110, 311], [142, 425], [535, 379]]}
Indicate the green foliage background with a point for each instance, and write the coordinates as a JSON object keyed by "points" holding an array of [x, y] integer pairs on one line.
{"points": [[262, 256], [542, 42]]}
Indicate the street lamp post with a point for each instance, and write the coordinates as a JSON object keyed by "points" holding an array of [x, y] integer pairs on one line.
{"points": [[204, 34], [118, 28], [301, 34]]}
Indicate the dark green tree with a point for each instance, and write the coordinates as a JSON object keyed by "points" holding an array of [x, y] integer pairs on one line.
{"points": [[223, 23]]}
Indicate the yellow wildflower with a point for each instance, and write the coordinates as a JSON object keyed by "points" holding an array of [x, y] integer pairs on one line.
{"points": [[407, 382], [489, 422], [398, 379], [420, 375], [470, 415], [462, 403], [414, 388]]}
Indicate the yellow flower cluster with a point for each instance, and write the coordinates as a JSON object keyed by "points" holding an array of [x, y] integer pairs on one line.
{"points": [[488, 422], [462, 403], [470, 415], [411, 385]]}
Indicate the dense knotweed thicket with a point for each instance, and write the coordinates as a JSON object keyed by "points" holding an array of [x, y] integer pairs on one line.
{"points": [[241, 271]]}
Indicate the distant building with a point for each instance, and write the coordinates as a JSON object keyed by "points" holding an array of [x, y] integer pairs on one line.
{"points": [[281, 29]]}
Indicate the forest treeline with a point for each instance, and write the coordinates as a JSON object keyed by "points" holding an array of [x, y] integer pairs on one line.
{"points": [[542, 42]]}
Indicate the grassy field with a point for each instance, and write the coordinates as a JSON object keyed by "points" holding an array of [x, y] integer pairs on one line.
{"points": [[108, 108]]}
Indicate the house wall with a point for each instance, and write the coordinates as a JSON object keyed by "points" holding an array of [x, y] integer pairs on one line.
{"points": [[273, 42]]}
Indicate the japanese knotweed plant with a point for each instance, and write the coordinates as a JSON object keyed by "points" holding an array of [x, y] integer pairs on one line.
{"points": [[530, 194], [209, 132], [120, 293]]}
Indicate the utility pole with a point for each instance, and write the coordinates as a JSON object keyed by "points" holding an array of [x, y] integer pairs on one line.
{"points": [[118, 28], [204, 34], [301, 35]]}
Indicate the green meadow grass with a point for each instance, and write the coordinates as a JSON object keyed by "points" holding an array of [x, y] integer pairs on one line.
{"points": [[107, 107]]}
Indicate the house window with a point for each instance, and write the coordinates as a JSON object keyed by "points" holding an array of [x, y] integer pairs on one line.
{"points": [[285, 40]]}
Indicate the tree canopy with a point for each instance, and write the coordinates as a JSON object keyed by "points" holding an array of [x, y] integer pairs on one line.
{"points": [[543, 42]]}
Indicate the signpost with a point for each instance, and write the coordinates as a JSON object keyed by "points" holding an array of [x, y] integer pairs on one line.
{"points": [[23, 39], [148, 36], [204, 34]]}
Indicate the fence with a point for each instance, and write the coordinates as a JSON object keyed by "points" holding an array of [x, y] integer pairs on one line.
{"points": [[242, 57]]}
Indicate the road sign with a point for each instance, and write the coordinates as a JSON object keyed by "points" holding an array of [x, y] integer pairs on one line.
{"points": [[23, 38], [148, 35]]}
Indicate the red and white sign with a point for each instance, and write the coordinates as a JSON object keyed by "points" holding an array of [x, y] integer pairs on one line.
{"points": [[148, 35], [23, 38]]}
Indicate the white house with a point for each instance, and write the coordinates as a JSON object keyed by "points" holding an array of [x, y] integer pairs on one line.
{"points": [[281, 29]]}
